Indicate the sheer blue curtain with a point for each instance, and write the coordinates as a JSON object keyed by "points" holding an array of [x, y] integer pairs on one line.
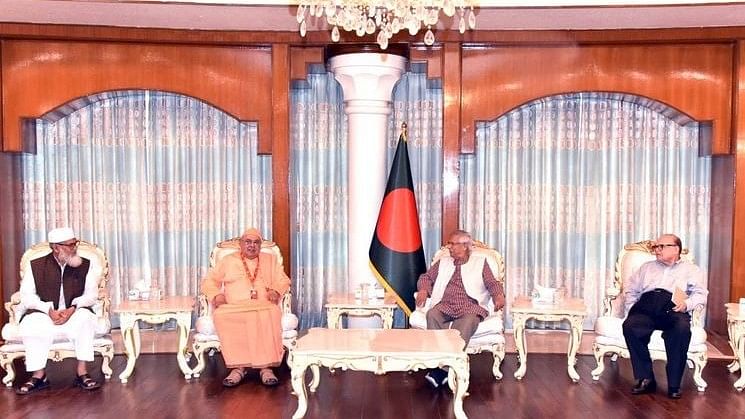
{"points": [[318, 176], [155, 179], [559, 185], [418, 102], [319, 180]]}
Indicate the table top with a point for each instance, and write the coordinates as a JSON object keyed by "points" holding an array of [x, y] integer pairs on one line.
{"points": [[573, 306], [165, 305], [735, 311], [377, 341], [348, 301]]}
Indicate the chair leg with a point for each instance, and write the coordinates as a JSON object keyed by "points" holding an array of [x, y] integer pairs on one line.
{"points": [[497, 365], [198, 351], [699, 362], [6, 362], [107, 353], [599, 355]]}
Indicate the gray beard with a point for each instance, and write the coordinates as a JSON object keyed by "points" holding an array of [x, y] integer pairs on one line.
{"points": [[74, 261]]}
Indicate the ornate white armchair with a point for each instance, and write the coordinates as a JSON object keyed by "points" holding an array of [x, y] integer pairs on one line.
{"points": [[609, 330], [489, 335], [205, 336], [62, 347]]}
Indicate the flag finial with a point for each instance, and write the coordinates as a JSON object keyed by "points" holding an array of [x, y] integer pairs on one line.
{"points": [[404, 131]]}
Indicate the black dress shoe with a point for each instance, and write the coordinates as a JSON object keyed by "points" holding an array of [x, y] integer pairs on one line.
{"points": [[644, 386], [673, 393]]}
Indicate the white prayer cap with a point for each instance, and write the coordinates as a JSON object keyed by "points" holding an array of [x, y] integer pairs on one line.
{"points": [[58, 235]]}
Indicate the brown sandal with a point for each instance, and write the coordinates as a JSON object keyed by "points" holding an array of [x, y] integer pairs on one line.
{"points": [[268, 378], [234, 377]]}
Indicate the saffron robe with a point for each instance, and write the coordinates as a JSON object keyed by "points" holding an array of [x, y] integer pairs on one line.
{"points": [[249, 328]]}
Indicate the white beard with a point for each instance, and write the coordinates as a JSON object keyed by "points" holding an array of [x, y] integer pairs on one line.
{"points": [[74, 261]]}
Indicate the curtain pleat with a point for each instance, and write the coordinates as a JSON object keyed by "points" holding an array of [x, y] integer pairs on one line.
{"points": [[559, 185], [155, 179]]}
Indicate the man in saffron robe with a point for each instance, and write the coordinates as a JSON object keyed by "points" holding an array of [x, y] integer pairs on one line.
{"points": [[245, 288]]}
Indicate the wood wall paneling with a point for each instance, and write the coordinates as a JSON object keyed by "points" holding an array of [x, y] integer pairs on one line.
{"points": [[281, 150], [720, 243], [432, 56], [39, 76], [737, 288], [11, 234], [301, 58], [451, 137], [323, 37], [694, 79]]}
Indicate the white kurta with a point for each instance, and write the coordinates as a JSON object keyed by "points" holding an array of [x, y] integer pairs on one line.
{"points": [[38, 332]]}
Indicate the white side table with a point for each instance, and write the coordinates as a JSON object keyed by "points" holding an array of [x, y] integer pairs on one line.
{"points": [[347, 304], [736, 332], [572, 310], [154, 312]]}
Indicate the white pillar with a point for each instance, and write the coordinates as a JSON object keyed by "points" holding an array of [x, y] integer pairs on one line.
{"points": [[367, 80]]}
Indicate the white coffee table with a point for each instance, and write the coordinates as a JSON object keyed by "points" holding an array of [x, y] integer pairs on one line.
{"points": [[572, 310], [736, 332], [154, 312], [339, 304], [378, 351]]}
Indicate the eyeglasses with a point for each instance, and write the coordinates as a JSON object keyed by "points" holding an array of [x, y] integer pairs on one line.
{"points": [[458, 243], [69, 245], [247, 241], [663, 245]]}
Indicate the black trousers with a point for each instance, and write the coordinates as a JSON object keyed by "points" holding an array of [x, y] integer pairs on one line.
{"points": [[654, 311]]}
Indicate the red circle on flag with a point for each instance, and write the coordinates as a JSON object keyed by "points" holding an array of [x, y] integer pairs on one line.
{"points": [[398, 225]]}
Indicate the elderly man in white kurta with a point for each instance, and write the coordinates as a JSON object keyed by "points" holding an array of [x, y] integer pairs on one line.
{"points": [[460, 286], [58, 294]]}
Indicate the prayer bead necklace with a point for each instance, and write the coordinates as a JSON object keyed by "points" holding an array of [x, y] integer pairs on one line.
{"points": [[251, 278]]}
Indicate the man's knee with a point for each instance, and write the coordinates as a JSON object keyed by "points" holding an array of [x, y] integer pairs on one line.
{"points": [[681, 328], [471, 321], [434, 319], [467, 325], [36, 325], [634, 327]]}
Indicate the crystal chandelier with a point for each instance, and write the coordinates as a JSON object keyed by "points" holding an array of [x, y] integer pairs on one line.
{"points": [[387, 17]]}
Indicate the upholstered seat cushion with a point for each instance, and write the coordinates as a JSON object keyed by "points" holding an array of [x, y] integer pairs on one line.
{"points": [[11, 331], [11, 347], [205, 328], [609, 331], [493, 325]]}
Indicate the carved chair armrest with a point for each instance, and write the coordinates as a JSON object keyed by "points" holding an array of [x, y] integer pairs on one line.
{"points": [[286, 302], [426, 305], [697, 316], [11, 305], [610, 295], [203, 306]]}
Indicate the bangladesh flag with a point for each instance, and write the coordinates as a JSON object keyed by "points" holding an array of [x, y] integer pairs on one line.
{"points": [[396, 253]]}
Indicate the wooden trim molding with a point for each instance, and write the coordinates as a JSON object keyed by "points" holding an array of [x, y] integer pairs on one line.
{"points": [[694, 79], [41, 76], [451, 146], [281, 150], [432, 57], [301, 58], [737, 286]]}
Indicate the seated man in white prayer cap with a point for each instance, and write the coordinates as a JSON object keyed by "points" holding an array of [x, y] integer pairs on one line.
{"points": [[58, 295]]}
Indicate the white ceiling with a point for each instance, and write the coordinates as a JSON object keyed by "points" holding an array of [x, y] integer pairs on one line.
{"points": [[262, 15]]}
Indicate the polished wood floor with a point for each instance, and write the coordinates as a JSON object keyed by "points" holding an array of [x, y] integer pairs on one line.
{"points": [[158, 390]]}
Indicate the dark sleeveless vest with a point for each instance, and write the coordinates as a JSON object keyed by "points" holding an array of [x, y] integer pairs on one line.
{"points": [[47, 276]]}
